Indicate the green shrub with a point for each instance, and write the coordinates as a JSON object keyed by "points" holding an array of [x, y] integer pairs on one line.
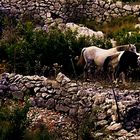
{"points": [[28, 50], [27, 47], [40, 133], [13, 123]]}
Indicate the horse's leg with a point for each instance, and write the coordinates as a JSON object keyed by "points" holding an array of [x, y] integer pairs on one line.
{"points": [[88, 70], [117, 74], [91, 69], [112, 75], [85, 73], [123, 79]]}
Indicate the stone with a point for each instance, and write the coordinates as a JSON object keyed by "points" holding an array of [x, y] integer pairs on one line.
{"points": [[119, 4], [98, 134], [36, 89], [61, 78], [18, 95], [62, 108], [43, 89], [40, 102], [122, 132], [127, 7], [50, 104], [51, 91], [44, 95], [13, 87], [102, 123], [73, 112], [72, 89], [29, 85], [3, 87], [99, 99], [114, 127], [31, 101], [39, 94]]}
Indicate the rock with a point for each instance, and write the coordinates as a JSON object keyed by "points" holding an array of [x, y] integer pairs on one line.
{"points": [[114, 127], [39, 94], [18, 95], [61, 78], [44, 95], [14, 87], [36, 89], [31, 101], [62, 108], [50, 104], [3, 87], [73, 112], [99, 99], [72, 89], [127, 7], [122, 132], [102, 123], [1, 93], [51, 91], [98, 134], [43, 89], [29, 85], [40, 102]]}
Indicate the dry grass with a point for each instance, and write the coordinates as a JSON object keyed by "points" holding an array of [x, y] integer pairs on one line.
{"points": [[115, 25]]}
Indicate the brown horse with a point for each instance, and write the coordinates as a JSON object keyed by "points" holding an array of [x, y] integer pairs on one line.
{"points": [[119, 64]]}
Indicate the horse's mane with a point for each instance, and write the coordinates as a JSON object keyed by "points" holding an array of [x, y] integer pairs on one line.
{"points": [[128, 47], [122, 48]]}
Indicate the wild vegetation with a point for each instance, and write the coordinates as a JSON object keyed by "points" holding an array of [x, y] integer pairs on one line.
{"points": [[14, 123], [26, 51]]}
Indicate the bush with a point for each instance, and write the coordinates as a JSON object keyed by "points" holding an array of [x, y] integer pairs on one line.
{"points": [[40, 133], [13, 123], [26, 48]]}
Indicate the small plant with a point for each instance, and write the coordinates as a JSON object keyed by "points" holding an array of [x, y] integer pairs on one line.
{"points": [[39, 133], [13, 122]]}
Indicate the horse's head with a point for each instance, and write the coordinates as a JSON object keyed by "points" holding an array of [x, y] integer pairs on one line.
{"points": [[132, 48]]}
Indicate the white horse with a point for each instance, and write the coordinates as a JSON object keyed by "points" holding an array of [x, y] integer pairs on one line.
{"points": [[97, 56]]}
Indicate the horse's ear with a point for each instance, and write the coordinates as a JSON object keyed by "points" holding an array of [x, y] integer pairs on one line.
{"points": [[76, 58]]}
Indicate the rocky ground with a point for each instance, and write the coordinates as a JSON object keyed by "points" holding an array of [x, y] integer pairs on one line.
{"points": [[107, 127], [75, 110]]}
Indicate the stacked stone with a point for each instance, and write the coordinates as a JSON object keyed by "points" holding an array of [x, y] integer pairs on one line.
{"points": [[77, 100], [70, 10]]}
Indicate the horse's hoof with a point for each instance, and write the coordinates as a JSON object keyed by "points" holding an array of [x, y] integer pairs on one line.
{"points": [[125, 84], [116, 85], [114, 82]]}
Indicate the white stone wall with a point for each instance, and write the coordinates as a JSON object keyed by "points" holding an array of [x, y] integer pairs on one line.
{"points": [[69, 10]]}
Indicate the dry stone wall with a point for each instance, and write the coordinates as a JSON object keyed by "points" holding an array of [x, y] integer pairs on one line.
{"points": [[74, 99], [70, 10]]}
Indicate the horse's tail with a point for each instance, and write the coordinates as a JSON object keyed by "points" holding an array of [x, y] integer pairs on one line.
{"points": [[81, 59]]}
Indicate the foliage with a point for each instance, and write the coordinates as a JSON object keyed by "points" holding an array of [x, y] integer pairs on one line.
{"points": [[28, 50], [13, 122], [25, 48], [40, 133], [89, 126], [125, 37]]}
